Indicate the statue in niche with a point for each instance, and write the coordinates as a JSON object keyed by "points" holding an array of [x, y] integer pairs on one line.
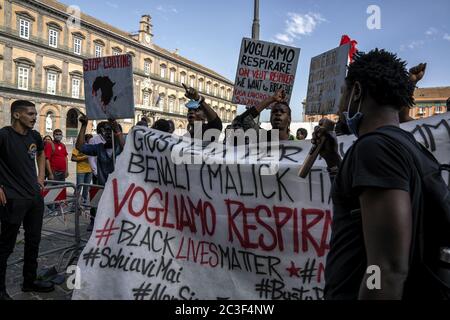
{"points": [[49, 123]]}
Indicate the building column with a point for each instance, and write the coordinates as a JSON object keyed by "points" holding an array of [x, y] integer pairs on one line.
{"points": [[38, 72], [64, 78], [8, 13], [62, 118], [7, 64], [6, 114], [66, 37], [40, 23], [87, 47]]}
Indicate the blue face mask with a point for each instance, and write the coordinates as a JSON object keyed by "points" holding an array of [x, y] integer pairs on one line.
{"points": [[354, 122], [192, 104]]}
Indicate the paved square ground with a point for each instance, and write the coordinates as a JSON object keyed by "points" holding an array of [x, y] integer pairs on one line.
{"points": [[49, 241]]}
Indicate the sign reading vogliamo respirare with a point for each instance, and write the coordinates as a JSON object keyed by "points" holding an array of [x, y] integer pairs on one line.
{"points": [[263, 68]]}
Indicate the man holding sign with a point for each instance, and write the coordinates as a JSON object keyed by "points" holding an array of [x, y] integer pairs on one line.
{"points": [[105, 153], [280, 116]]}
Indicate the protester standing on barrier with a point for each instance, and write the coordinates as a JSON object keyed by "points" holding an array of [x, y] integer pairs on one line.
{"points": [[20, 198], [56, 155], [84, 171], [377, 193], [103, 151]]}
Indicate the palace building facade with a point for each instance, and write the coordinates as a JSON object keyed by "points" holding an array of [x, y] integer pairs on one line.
{"points": [[43, 44]]}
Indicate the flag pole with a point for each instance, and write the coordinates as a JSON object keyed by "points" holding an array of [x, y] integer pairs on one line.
{"points": [[255, 29]]}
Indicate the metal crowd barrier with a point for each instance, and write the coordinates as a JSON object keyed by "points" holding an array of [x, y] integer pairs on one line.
{"points": [[55, 194]]}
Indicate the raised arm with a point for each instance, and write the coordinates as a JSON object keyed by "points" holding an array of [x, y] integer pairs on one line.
{"points": [[118, 134], [80, 139], [193, 94]]}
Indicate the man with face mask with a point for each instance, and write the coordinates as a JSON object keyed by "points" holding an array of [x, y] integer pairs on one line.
{"points": [[103, 151], [201, 116], [56, 158], [377, 190]]}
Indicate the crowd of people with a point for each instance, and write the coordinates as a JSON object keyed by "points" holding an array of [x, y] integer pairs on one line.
{"points": [[378, 196]]}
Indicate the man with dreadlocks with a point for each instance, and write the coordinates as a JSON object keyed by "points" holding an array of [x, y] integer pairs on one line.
{"points": [[376, 192]]}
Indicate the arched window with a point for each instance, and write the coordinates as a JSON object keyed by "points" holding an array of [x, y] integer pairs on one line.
{"points": [[163, 71]]}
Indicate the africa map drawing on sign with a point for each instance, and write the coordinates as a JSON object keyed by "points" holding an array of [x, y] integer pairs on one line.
{"points": [[215, 231], [108, 87]]}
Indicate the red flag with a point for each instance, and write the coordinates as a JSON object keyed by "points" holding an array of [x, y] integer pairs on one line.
{"points": [[346, 39]]}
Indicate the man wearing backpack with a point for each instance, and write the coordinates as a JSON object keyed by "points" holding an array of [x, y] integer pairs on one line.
{"points": [[56, 158], [378, 196]]}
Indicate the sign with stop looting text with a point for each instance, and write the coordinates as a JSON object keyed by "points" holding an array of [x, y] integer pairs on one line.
{"points": [[108, 87]]}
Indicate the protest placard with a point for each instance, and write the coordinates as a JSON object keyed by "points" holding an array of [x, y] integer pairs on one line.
{"points": [[108, 87], [263, 68], [327, 74], [216, 231]]}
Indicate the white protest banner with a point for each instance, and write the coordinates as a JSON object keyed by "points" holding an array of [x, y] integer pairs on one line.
{"points": [[327, 74], [108, 87], [215, 231], [263, 68]]}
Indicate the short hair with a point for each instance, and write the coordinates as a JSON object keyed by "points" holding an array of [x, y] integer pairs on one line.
{"points": [[283, 103], [384, 76], [57, 130], [161, 125], [303, 131], [142, 123], [448, 103], [19, 105], [101, 125]]}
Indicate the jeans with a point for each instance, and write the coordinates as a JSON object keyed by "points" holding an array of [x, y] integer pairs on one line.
{"points": [[84, 178], [12, 215]]}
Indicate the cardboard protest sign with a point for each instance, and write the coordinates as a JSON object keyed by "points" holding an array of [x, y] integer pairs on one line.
{"points": [[327, 74], [108, 87], [263, 68], [215, 231]]}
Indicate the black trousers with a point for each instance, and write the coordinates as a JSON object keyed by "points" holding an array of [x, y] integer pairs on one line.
{"points": [[30, 213], [93, 211]]}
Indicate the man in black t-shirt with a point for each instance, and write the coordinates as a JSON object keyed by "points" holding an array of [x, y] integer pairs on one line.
{"points": [[20, 198], [376, 191]]}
